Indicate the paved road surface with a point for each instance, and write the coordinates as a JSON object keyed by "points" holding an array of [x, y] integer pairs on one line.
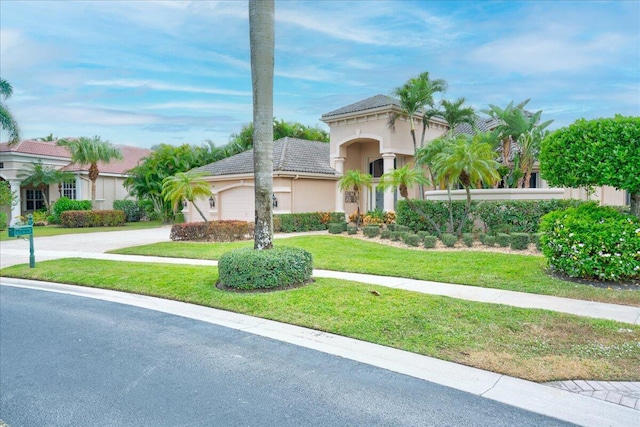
{"points": [[72, 361]]}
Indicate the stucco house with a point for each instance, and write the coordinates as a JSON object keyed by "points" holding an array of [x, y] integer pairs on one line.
{"points": [[109, 186], [306, 173]]}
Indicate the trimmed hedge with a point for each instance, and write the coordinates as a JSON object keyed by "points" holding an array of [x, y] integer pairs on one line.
{"points": [[489, 240], [517, 216], [385, 234], [336, 228], [503, 240], [412, 239], [437, 210], [500, 216], [212, 231], [309, 221], [429, 242], [80, 219], [250, 269], [592, 242], [64, 204], [520, 241], [371, 230], [467, 239], [449, 240], [352, 229], [131, 208]]}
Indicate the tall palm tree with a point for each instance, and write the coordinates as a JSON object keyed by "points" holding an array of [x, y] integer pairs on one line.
{"points": [[7, 122], [356, 180], [527, 131], [262, 43], [427, 154], [453, 113], [185, 186], [415, 95], [469, 162], [90, 151], [507, 140]]}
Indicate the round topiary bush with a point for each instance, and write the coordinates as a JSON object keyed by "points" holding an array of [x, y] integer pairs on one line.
{"points": [[250, 269], [520, 241], [592, 242], [449, 240], [430, 242], [467, 239]]}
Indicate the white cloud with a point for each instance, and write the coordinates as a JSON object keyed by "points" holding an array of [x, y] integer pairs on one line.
{"points": [[160, 86]]}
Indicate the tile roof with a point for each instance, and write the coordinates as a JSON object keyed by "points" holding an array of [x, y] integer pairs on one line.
{"points": [[482, 125], [289, 155], [375, 101], [131, 155]]}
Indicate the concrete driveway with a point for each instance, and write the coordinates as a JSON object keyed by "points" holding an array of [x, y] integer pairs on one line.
{"points": [[16, 251]]}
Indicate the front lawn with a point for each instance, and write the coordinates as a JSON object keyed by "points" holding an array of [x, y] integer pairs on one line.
{"points": [[537, 345], [57, 230], [523, 273]]}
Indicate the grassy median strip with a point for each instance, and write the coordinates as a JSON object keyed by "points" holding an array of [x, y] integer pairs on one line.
{"points": [[523, 273], [537, 345]]}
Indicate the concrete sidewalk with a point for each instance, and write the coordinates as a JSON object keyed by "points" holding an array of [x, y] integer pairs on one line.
{"points": [[624, 395]]}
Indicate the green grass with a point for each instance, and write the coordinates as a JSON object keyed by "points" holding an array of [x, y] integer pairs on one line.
{"points": [[56, 230], [523, 273], [533, 344]]}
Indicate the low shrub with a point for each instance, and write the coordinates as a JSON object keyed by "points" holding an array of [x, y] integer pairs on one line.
{"points": [[535, 239], [503, 240], [336, 228], [467, 239], [212, 231], [391, 227], [40, 218], [402, 228], [64, 204], [133, 211], [385, 234], [481, 237], [352, 229], [489, 240], [449, 240], [371, 230], [520, 241], [412, 239], [429, 242], [81, 219], [422, 234], [396, 236], [250, 269], [592, 242]]}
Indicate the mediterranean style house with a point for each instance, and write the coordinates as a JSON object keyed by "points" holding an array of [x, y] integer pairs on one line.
{"points": [[306, 173], [109, 186]]}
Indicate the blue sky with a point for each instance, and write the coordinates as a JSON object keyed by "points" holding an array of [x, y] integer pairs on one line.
{"points": [[148, 72]]}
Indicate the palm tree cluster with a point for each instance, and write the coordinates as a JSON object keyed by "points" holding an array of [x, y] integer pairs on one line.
{"points": [[7, 121]]}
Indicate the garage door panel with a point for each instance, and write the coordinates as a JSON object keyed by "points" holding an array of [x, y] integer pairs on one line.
{"points": [[238, 204]]}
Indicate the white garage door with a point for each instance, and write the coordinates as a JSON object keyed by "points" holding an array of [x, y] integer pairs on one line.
{"points": [[237, 203]]}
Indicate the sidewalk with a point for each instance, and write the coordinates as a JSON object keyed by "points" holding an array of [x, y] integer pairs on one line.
{"points": [[625, 396]]}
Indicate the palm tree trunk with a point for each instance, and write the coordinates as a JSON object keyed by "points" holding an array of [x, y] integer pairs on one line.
{"points": [[262, 43], [93, 194], [193, 202]]}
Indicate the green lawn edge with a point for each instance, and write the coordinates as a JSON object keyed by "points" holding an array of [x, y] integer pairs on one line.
{"points": [[537, 345], [521, 273]]}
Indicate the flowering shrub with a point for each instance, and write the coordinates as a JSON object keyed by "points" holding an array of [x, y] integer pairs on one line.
{"points": [[592, 242]]}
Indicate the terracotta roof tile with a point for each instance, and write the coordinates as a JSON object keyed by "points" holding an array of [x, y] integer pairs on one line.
{"points": [[132, 155]]}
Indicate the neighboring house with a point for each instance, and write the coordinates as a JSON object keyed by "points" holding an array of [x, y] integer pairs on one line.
{"points": [[306, 173], [303, 181], [109, 186]]}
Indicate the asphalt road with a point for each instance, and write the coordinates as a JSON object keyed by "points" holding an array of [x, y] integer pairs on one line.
{"points": [[73, 361]]}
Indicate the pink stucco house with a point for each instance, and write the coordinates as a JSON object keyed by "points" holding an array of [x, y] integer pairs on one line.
{"points": [[306, 173]]}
